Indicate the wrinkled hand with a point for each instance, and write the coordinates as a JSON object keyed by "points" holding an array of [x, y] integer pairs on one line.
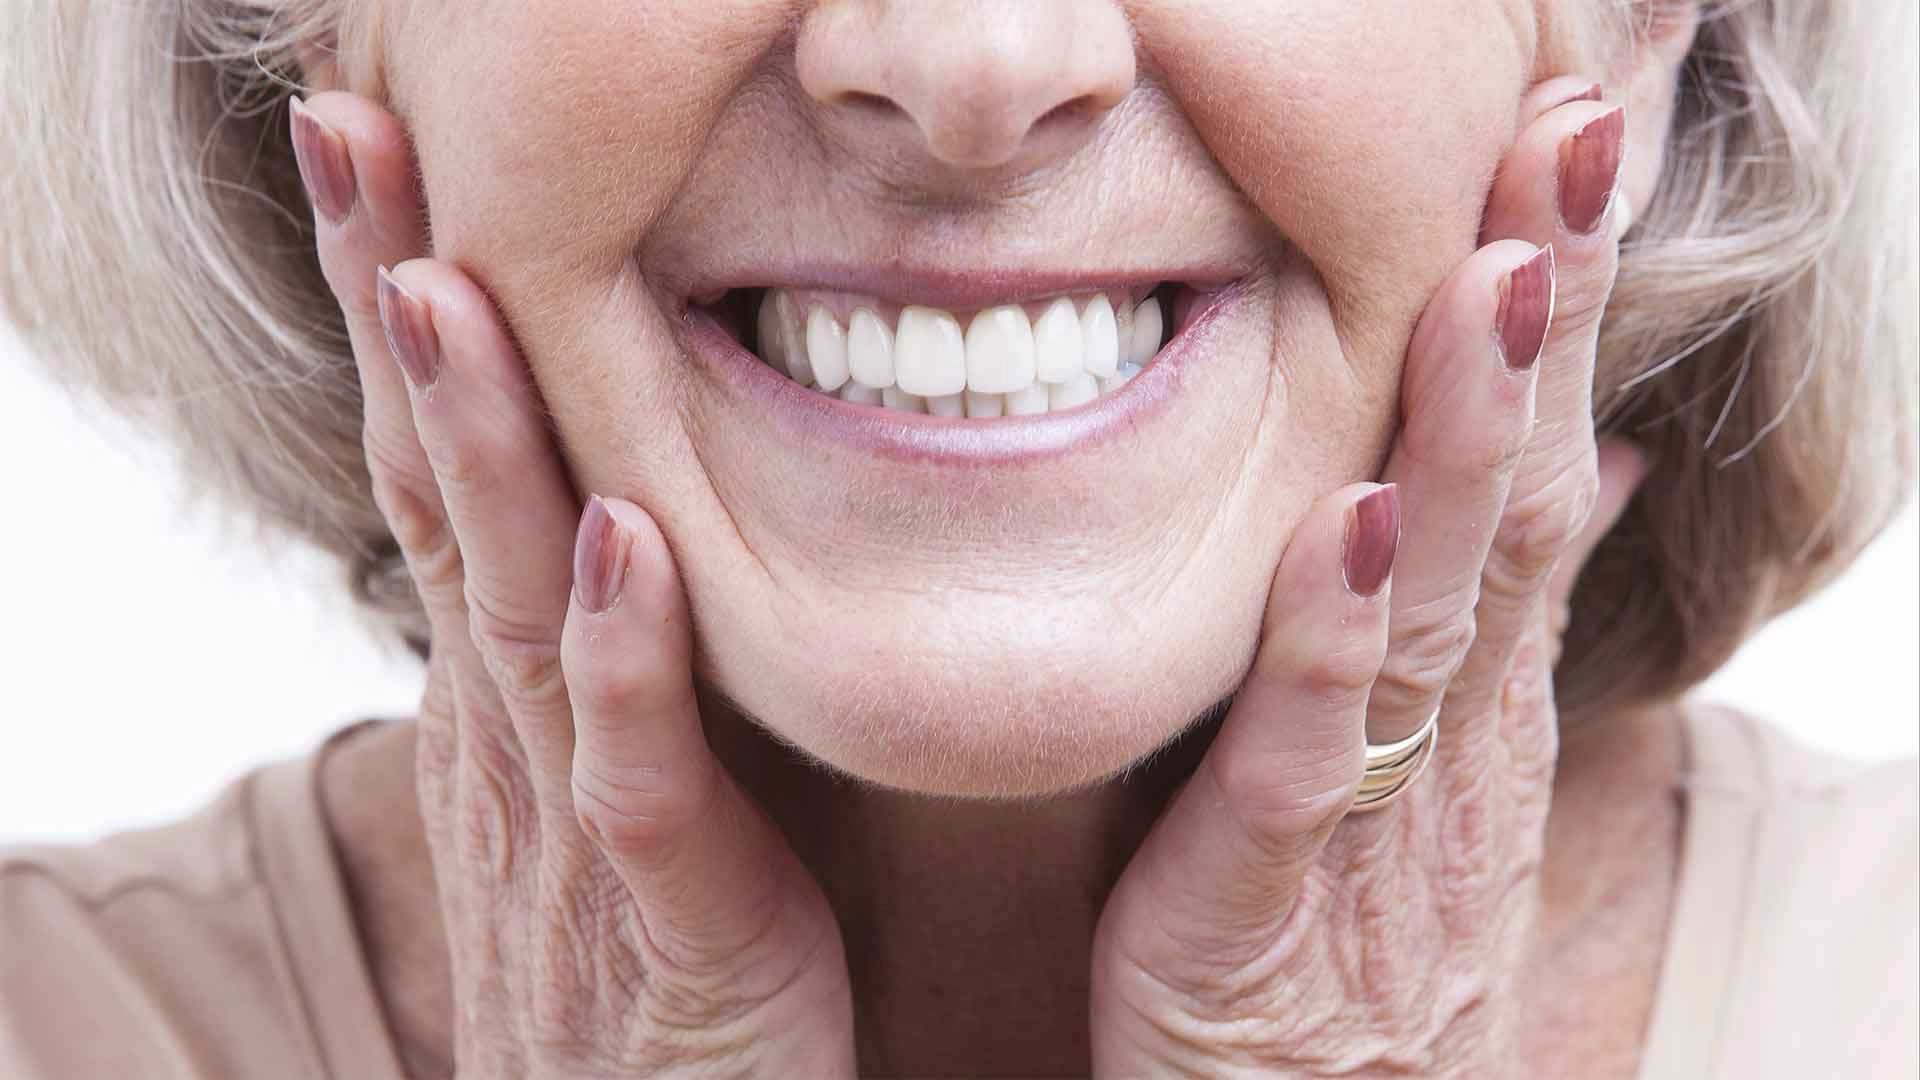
{"points": [[1256, 932], [614, 903]]}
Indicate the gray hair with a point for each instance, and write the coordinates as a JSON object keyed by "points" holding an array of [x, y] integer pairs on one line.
{"points": [[1760, 343]]}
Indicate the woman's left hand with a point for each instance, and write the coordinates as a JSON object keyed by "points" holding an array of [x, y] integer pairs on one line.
{"points": [[1256, 931]]}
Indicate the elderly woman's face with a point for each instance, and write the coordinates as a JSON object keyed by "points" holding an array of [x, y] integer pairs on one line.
{"points": [[967, 605]]}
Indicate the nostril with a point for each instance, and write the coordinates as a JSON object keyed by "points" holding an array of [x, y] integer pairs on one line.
{"points": [[1068, 114], [863, 101]]}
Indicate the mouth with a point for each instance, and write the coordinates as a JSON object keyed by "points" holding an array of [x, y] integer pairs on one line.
{"points": [[1050, 354]]}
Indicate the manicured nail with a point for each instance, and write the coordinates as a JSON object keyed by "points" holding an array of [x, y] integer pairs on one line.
{"points": [[1373, 538], [410, 333], [1526, 310], [1593, 92], [1590, 170], [325, 166], [599, 558]]}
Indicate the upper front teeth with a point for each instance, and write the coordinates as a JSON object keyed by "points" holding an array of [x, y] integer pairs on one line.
{"points": [[1004, 362]]}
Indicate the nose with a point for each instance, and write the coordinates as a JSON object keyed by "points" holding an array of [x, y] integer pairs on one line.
{"points": [[978, 84]]}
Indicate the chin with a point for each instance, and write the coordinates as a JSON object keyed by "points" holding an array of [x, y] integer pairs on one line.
{"points": [[1068, 708]]}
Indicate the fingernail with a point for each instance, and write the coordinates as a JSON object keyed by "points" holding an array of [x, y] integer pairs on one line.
{"points": [[599, 558], [1373, 538], [410, 333], [1589, 91], [1590, 170], [325, 166], [1526, 310]]}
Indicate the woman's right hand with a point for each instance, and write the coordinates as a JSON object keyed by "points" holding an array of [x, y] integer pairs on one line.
{"points": [[613, 901]]}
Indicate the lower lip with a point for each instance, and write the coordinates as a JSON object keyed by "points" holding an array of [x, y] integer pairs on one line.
{"points": [[950, 440]]}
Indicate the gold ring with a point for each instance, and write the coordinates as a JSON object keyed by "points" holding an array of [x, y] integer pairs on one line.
{"points": [[1393, 767]]}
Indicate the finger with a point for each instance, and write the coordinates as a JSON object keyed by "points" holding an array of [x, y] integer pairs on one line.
{"points": [[1557, 186], [717, 886], [1219, 872], [1621, 466], [507, 498], [1467, 401], [1558, 183], [354, 159]]}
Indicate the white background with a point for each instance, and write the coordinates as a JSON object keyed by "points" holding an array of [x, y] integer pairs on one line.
{"points": [[148, 654]]}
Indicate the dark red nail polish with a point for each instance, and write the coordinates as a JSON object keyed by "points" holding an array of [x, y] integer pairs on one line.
{"points": [[1373, 539], [1590, 170], [410, 333], [599, 558], [325, 166], [1526, 310]]}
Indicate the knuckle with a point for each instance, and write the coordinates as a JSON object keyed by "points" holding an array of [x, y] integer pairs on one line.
{"points": [[408, 500], [522, 653], [463, 468], [612, 680], [1339, 678], [1538, 527], [632, 813], [1285, 801], [1426, 656]]}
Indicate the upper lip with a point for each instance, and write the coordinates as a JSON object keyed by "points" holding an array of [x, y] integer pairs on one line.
{"points": [[958, 288]]}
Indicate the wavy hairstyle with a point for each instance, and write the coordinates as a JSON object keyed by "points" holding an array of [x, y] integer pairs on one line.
{"points": [[1760, 343]]}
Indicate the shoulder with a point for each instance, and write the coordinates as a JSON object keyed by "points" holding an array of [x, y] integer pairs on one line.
{"points": [[157, 952], [1802, 875], [1736, 758]]}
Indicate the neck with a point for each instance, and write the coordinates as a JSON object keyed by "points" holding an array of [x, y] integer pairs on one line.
{"points": [[968, 924]]}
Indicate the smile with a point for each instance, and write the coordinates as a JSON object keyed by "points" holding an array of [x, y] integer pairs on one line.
{"points": [[1048, 355], [971, 369]]}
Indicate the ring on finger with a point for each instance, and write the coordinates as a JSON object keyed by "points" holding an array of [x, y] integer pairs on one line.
{"points": [[1392, 767]]}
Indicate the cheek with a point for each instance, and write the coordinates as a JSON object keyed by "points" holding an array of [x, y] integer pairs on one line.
{"points": [[558, 130], [1368, 132]]}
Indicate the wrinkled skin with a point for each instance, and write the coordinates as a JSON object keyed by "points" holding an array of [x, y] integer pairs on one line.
{"points": [[614, 899]]}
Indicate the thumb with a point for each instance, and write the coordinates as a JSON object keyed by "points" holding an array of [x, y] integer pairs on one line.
{"points": [[1215, 880], [722, 896]]}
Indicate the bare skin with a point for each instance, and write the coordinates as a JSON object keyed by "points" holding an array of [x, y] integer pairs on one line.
{"points": [[1612, 852], [635, 878]]}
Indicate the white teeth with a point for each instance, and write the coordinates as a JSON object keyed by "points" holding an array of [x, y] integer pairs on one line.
{"points": [[1057, 341], [947, 405], [1029, 401], [861, 394], [826, 348], [979, 404], [793, 338], [1078, 390], [929, 355], [1003, 364], [870, 350], [1146, 331], [895, 398], [1101, 336], [1000, 350]]}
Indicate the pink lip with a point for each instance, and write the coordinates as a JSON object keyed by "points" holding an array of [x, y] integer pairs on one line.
{"points": [[941, 440], [960, 290]]}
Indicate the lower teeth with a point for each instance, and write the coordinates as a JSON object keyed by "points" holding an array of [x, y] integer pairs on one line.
{"points": [[1034, 400]]}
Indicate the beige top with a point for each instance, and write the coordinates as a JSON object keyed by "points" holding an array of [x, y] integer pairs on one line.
{"points": [[222, 946]]}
